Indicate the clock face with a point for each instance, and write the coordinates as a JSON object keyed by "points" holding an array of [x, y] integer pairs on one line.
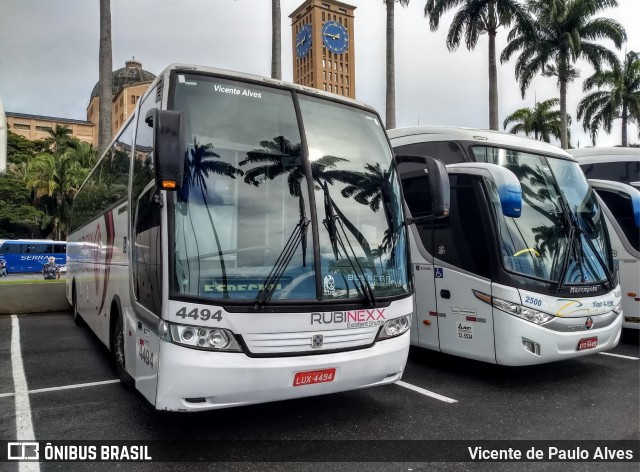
{"points": [[303, 41], [335, 37]]}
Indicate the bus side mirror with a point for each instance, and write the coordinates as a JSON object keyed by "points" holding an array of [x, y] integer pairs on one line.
{"points": [[169, 146], [438, 185], [508, 185]]}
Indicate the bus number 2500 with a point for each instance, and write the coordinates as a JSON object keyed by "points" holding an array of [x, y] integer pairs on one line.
{"points": [[204, 314]]}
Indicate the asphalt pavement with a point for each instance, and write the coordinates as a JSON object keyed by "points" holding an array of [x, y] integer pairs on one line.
{"points": [[73, 394]]}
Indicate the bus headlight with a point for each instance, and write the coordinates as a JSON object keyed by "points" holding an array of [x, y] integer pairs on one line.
{"points": [[515, 309], [213, 339], [394, 327]]}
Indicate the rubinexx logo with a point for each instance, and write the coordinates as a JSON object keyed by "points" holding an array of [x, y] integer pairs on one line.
{"points": [[23, 451]]}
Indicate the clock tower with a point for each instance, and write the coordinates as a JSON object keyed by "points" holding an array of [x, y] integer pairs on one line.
{"points": [[323, 46]]}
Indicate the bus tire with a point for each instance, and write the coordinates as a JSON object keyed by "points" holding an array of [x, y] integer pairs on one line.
{"points": [[77, 319], [117, 350]]}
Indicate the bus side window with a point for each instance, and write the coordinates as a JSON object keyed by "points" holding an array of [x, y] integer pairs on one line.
{"points": [[59, 249], [14, 249], [147, 254], [448, 152], [620, 205], [617, 171]]}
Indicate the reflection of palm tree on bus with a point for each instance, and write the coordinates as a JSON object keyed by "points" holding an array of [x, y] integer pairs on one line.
{"points": [[280, 156], [199, 163]]}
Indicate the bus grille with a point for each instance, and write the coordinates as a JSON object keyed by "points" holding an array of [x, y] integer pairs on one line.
{"points": [[275, 343]]}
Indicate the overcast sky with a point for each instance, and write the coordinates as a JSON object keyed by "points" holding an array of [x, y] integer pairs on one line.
{"points": [[49, 55]]}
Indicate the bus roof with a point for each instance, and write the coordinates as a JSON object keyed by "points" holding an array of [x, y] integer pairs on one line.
{"points": [[415, 134], [257, 78], [605, 154]]}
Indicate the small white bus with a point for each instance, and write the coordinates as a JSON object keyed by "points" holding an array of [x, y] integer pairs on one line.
{"points": [[243, 240], [502, 286]]}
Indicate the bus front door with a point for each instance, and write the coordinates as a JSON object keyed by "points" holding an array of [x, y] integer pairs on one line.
{"points": [[462, 267]]}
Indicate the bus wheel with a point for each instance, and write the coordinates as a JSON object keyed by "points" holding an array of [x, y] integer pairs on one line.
{"points": [[118, 353], [77, 319]]}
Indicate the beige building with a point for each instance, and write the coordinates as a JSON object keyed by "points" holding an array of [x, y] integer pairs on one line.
{"points": [[129, 83], [36, 127], [323, 46]]}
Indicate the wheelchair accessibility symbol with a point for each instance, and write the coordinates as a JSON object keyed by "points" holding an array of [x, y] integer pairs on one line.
{"points": [[439, 273]]}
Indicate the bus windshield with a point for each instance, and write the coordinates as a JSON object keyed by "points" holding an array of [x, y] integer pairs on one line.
{"points": [[555, 197], [243, 220]]}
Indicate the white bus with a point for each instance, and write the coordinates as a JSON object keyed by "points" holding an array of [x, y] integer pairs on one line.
{"points": [[612, 172], [620, 164], [516, 289], [3, 140], [243, 241]]}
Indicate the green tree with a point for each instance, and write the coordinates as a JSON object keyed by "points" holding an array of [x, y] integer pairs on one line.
{"points": [[473, 18], [617, 97], [18, 217], [542, 121], [60, 138], [58, 178], [391, 68], [564, 32], [21, 149]]}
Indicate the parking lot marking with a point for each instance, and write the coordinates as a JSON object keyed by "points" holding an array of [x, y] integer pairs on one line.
{"points": [[428, 393], [24, 423], [67, 387], [64, 387], [619, 355]]}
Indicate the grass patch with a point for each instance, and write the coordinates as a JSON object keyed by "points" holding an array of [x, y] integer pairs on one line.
{"points": [[7, 281]]}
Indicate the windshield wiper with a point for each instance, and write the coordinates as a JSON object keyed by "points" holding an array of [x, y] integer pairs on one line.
{"points": [[336, 239], [575, 233], [298, 236]]}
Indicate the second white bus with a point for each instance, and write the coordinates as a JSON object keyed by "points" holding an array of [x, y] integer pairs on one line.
{"points": [[511, 288]]}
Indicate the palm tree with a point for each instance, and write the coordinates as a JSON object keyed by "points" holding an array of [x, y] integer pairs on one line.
{"points": [[391, 72], [564, 32], [105, 77], [474, 18], [57, 177], [59, 138], [280, 156], [621, 100], [276, 47], [85, 154], [543, 120]]}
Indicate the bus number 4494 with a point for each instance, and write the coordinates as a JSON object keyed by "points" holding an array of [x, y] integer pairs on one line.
{"points": [[146, 355], [204, 314]]}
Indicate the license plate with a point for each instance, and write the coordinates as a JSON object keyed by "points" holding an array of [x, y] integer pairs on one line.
{"points": [[587, 343], [314, 377]]}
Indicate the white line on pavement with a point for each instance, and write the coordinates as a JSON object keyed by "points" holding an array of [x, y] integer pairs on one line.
{"points": [[426, 392], [24, 424], [619, 355], [64, 387]]}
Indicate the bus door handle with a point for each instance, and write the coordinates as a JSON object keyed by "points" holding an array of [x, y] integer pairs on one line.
{"points": [[445, 294], [124, 245]]}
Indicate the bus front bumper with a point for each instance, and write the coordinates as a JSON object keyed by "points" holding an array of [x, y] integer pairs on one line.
{"points": [[195, 380], [512, 332]]}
